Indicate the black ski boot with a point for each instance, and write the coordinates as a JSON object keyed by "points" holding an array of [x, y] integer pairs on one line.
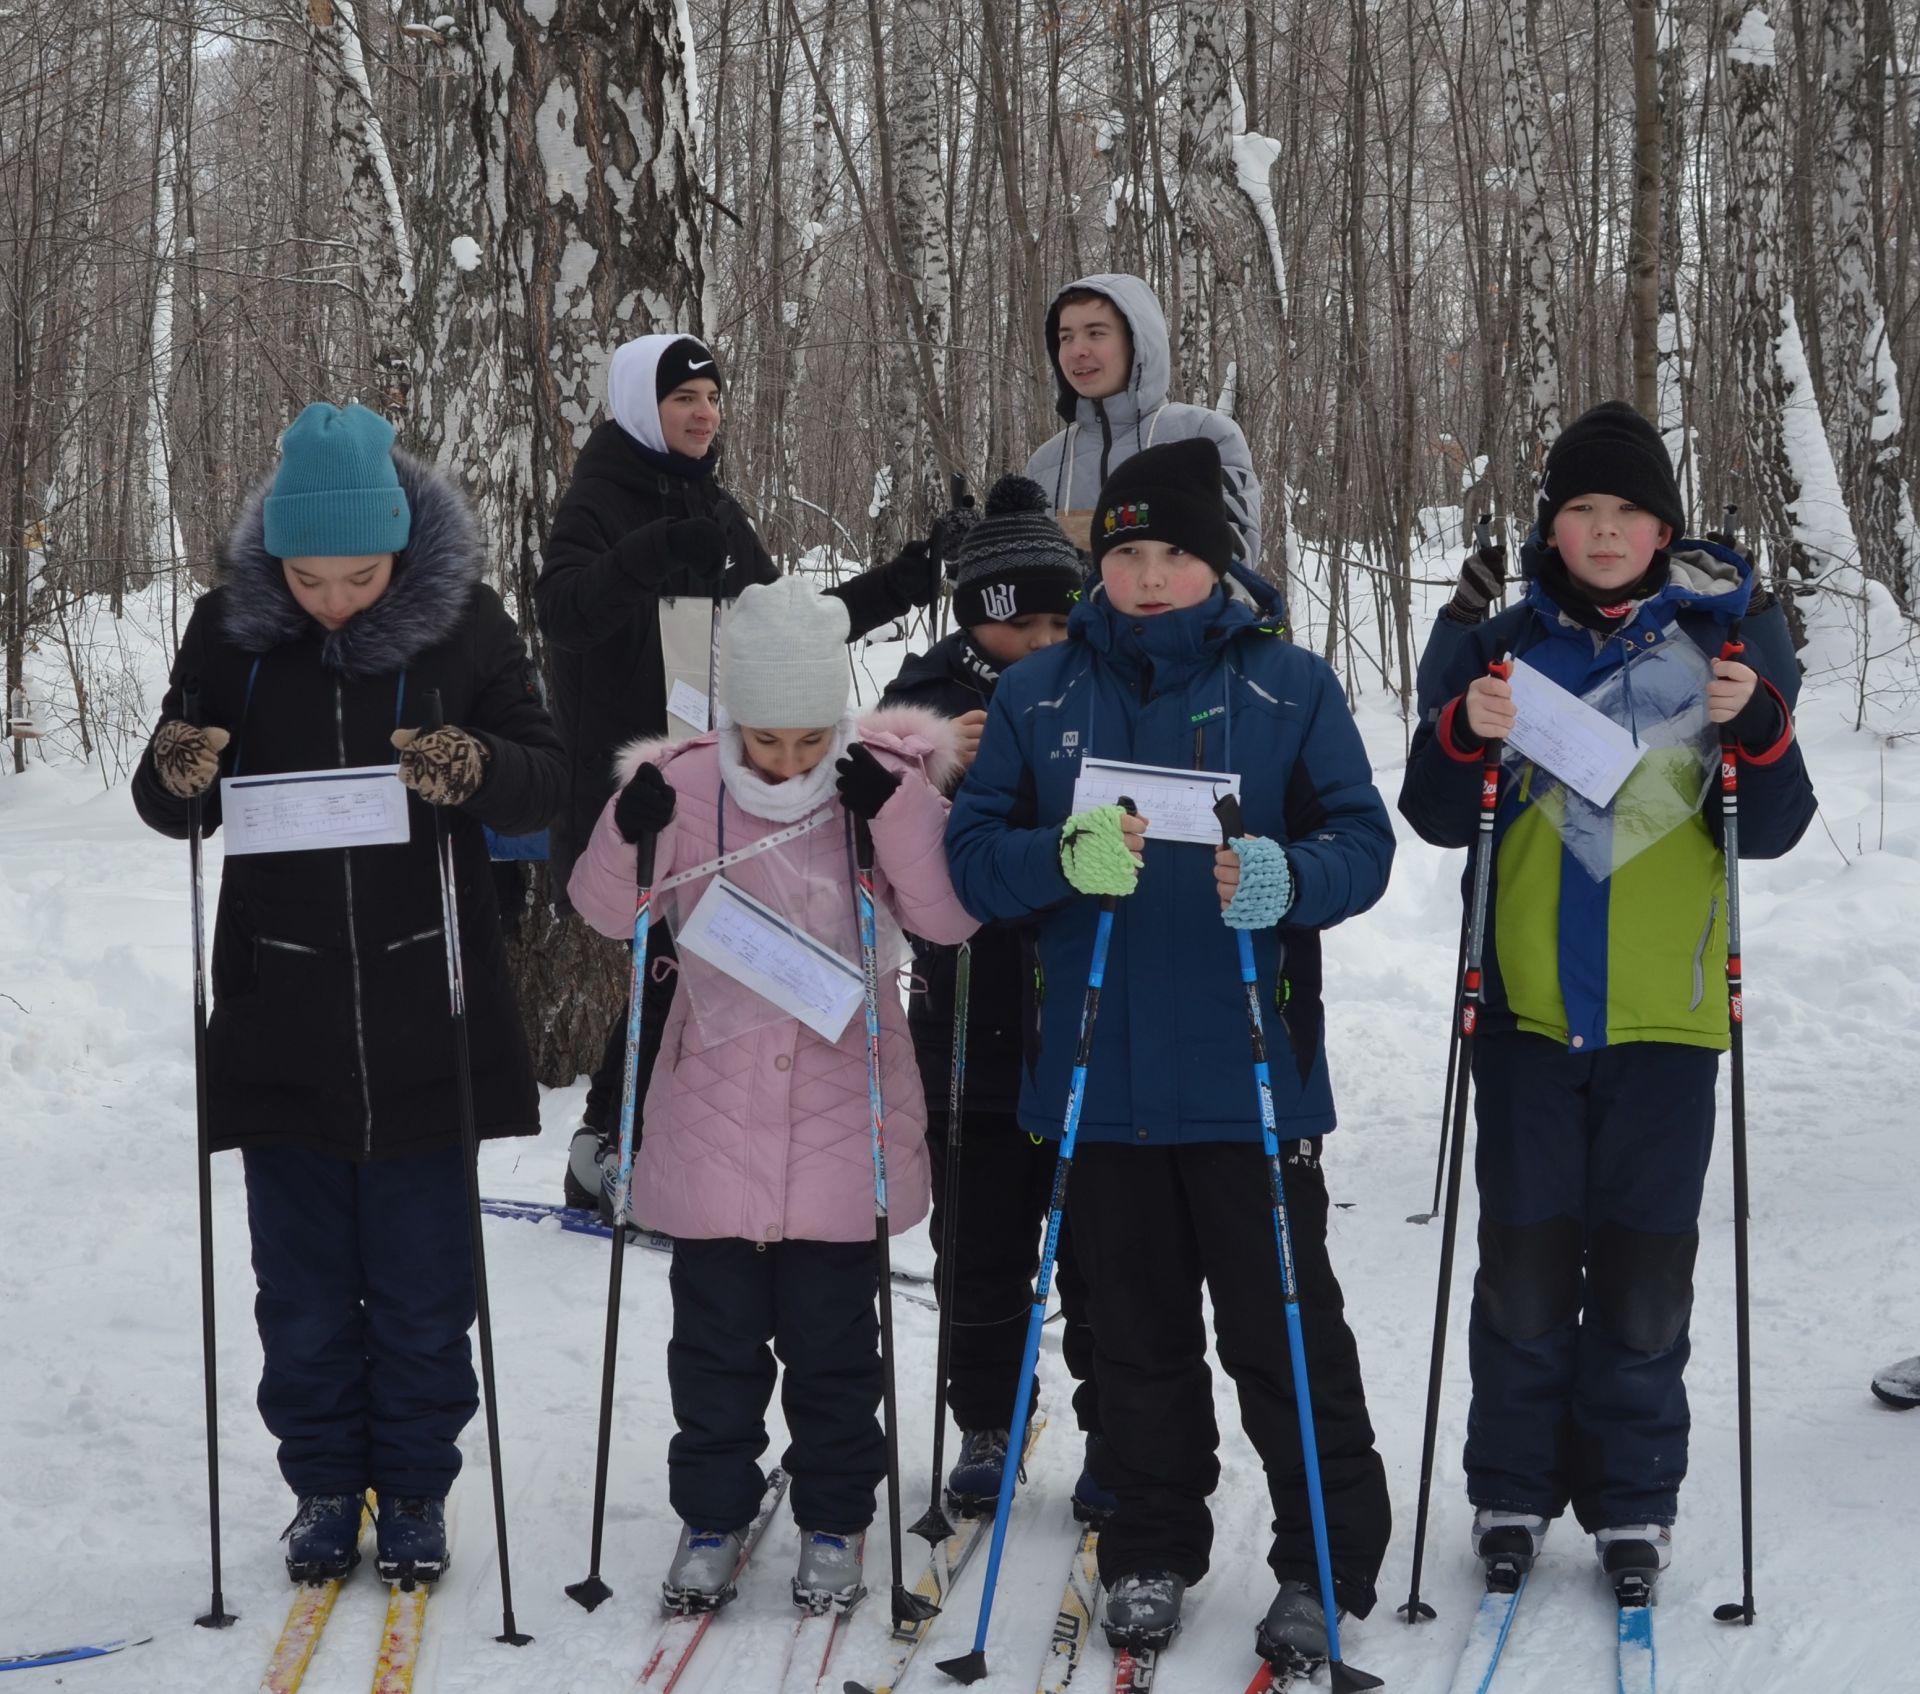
{"points": [[1633, 1555], [413, 1539], [323, 1541], [1507, 1543]]}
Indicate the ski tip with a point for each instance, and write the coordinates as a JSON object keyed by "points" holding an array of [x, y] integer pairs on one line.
{"points": [[1347, 1679], [589, 1591], [1734, 1611], [969, 1667]]}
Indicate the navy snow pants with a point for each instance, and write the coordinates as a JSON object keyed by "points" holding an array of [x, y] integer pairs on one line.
{"points": [[814, 1301], [1590, 1168], [365, 1278]]}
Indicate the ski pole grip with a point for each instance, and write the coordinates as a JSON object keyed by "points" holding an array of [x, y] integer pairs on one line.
{"points": [[190, 701], [1227, 810], [643, 860], [863, 843], [432, 716], [1733, 646], [1483, 532]]}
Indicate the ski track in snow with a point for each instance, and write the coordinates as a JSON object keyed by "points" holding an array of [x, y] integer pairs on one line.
{"points": [[103, 1482]]}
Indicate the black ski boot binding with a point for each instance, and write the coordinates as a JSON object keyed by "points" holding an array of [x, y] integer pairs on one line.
{"points": [[1508, 1555], [1633, 1567]]}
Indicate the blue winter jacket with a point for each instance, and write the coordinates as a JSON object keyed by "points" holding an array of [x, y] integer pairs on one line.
{"points": [[1213, 687]]}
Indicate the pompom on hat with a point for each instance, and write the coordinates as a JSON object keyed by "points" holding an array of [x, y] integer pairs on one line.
{"points": [[1015, 559]]}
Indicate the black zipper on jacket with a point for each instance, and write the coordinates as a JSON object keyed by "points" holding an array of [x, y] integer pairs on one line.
{"points": [[353, 939]]}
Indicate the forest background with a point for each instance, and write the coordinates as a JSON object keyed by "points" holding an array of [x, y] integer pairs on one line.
{"points": [[1399, 240]]}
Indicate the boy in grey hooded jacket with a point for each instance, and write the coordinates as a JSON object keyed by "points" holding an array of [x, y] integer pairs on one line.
{"points": [[1110, 415]]}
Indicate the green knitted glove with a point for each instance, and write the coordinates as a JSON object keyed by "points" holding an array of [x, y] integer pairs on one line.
{"points": [[1093, 852]]}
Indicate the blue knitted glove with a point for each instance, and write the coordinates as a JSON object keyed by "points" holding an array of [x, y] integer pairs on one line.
{"points": [[1266, 884]]}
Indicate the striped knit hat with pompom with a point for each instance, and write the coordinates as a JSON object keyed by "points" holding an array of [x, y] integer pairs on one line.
{"points": [[1016, 560]]}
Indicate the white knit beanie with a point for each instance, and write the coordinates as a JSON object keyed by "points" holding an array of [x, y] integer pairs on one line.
{"points": [[783, 656]]}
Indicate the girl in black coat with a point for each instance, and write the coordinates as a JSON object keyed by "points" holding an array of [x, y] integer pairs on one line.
{"points": [[350, 590]]}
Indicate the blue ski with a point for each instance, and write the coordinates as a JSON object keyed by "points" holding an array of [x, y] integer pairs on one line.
{"points": [[1487, 1639], [1636, 1650], [69, 1655]]}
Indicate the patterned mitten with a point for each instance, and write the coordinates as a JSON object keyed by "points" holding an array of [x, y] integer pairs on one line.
{"points": [[1094, 853], [444, 766], [186, 758], [1266, 884]]}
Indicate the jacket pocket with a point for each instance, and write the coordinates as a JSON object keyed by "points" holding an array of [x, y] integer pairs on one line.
{"points": [[1700, 955]]}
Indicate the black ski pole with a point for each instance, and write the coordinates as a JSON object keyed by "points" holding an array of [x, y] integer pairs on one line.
{"points": [[1416, 1609], [1346, 1678], [1742, 1610], [433, 718], [1446, 1098], [934, 1525], [908, 1607], [591, 1589], [217, 1616]]}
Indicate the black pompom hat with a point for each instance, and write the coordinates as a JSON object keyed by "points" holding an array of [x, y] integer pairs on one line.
{"points": [[1015, 560]]}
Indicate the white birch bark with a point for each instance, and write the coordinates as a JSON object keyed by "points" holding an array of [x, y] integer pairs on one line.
{"points": [[1798, 515], [375, 220], [1537, 365], [1863, 382]]}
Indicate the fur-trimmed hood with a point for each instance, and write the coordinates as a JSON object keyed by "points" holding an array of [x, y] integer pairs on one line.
{"points": [[912, 734], [433, 582]]}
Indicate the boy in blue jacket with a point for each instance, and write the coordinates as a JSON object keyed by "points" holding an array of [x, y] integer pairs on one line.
{"points": [[1166, 665], [1604, 988]]}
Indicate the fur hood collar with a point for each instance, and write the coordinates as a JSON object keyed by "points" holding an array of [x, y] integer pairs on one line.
{"points": [[912, 734], [433, 582]]}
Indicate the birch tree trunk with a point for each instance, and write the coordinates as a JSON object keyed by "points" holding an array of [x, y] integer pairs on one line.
{"points": [[1674, 337], [1644, 248], [1864, 383], [1791, 489], [588, 107], [1537, 362], [370, 207]]}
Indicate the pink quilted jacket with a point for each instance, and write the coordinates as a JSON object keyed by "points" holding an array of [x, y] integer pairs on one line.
{"points": [[766, 1135]]}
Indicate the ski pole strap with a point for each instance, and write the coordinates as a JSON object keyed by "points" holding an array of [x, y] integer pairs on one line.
{"points": [[753, 849]]}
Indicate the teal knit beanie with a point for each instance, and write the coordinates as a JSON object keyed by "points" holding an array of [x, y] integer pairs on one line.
{"points": [[336, 493]]}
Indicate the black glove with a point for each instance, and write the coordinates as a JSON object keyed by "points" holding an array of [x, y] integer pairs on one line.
{"points": [[865, 785], [699, 551], [914, 574], [1482, 577], [949, 531], [645, 806]]}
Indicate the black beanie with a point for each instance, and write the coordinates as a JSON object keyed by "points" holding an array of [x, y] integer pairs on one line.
{"points": [[1610, 450], [1173, 494], [1015, 559], [686, 360]]}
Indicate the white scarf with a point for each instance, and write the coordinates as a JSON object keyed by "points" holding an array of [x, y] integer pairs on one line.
{"points": [[780, 802]]}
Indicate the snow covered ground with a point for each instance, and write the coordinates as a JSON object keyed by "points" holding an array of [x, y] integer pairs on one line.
{"points": [[102, 1459]]}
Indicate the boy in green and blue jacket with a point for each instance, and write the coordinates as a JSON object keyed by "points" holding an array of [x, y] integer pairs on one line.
{"points": [[1604, 985]]}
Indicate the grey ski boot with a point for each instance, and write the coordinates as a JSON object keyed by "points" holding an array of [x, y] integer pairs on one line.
{"points": [[828, 1576], [1143, 1609], [1293, 1635], [700, 1579]]}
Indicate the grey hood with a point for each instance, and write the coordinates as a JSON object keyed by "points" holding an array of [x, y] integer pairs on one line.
{"points": [[1152, 359]]}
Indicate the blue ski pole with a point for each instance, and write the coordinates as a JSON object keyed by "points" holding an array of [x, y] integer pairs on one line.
{"points": [[908, 1607], [591, 1589], [1346, 1679], [971, 1667]]}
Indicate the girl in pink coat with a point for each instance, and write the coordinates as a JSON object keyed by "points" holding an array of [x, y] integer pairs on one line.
{"points": [[757, 1157]]}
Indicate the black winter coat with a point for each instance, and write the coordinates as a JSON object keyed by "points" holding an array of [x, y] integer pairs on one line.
{"points": [[953, 677], [330, 1027], [609, 682]]}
